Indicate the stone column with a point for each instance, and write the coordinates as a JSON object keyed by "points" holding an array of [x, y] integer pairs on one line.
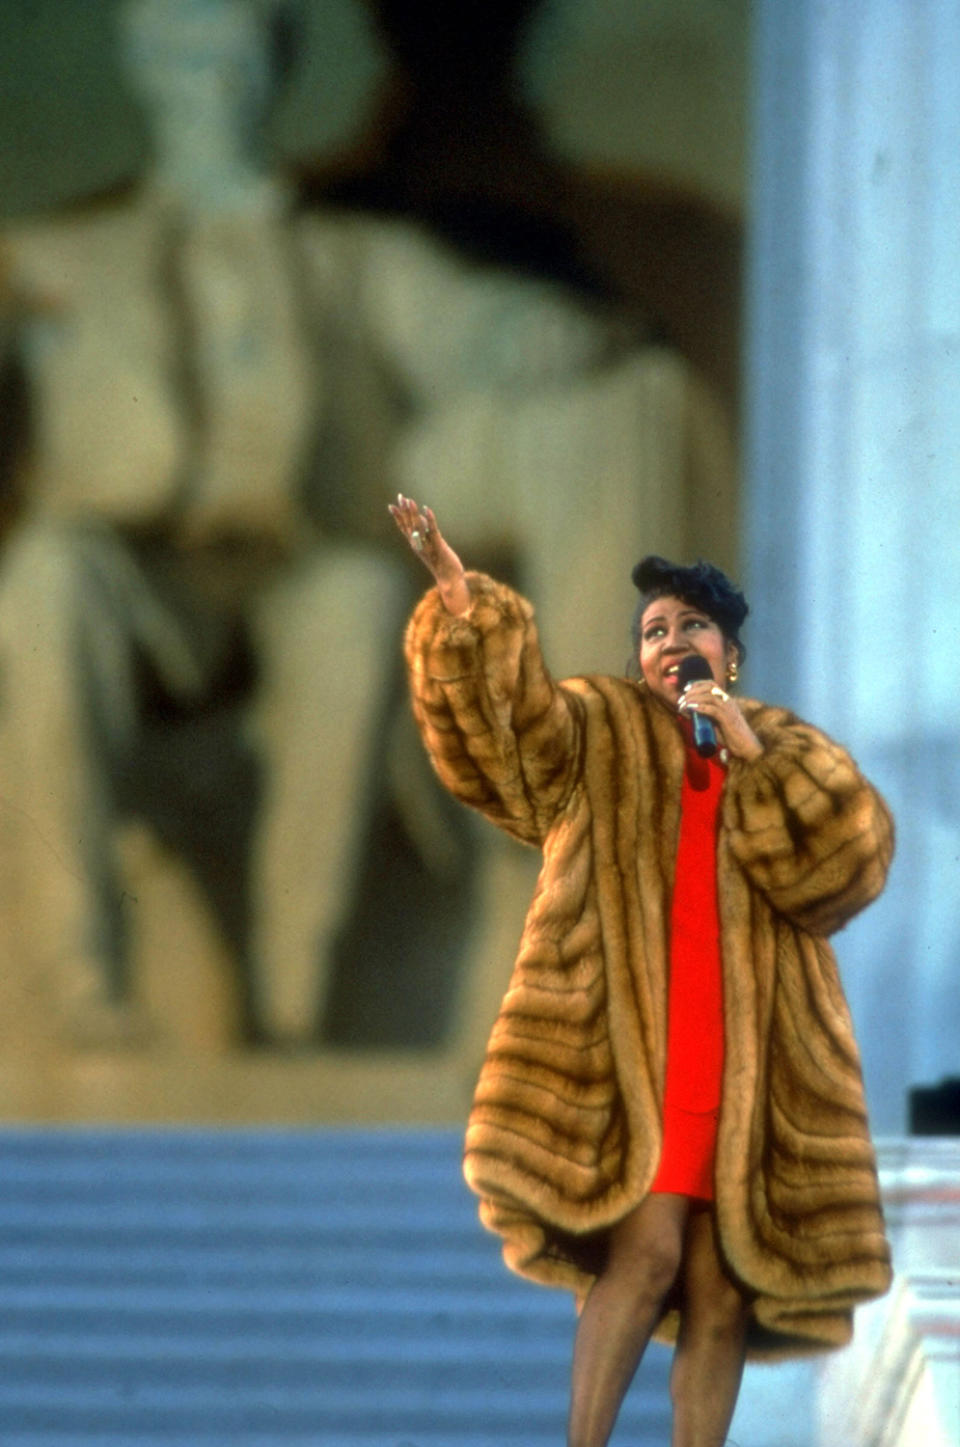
{"points": [[853, 470]]}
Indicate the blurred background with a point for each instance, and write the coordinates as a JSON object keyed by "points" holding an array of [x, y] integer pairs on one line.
{"points": [[264, 264], [593, 278]]}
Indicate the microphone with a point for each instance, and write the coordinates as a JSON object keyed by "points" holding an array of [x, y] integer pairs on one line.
{"points": [[691, 670]]}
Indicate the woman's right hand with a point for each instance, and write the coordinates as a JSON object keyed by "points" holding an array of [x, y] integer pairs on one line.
{"points": [[419, 526]]}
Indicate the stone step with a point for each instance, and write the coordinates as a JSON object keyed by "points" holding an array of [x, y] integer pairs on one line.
{"points": [[268, 1288]]}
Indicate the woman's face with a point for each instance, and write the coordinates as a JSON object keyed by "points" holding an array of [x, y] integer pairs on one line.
{"points": [[671, 630]]}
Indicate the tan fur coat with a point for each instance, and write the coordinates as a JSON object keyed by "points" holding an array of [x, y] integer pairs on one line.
{"points": [[564, 1135]]}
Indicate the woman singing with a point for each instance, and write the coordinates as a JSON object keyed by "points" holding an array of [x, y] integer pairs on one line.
{"points": [[670, 1116]]}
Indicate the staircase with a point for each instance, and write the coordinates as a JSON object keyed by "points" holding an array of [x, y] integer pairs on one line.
{"points": [[271, 1288]]}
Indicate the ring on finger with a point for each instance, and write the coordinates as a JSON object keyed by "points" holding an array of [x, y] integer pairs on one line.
{"points": [[719, 693], [416, 539]]}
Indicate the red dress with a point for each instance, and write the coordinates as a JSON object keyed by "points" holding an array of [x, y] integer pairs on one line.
{"points": [[691, 1108]]}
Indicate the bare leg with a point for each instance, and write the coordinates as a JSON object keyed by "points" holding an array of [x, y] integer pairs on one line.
{"points": [[708, 1363], [620, 1313]]}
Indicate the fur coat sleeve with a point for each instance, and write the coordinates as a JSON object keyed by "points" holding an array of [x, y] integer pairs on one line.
{"points": [[564, 1134], [804, 826], [503, 737]]}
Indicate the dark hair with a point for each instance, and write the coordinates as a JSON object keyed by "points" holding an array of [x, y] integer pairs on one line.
{"points": [[702, 586]]}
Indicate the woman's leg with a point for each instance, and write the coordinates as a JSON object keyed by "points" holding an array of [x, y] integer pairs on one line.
{"points": [[708, 1362], [621, 1311]]}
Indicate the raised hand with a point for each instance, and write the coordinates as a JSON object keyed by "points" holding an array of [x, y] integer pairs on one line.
{"points": [[419, 526]]}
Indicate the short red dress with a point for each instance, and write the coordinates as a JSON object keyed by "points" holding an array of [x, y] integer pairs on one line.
{"points": [[691, 1109]]}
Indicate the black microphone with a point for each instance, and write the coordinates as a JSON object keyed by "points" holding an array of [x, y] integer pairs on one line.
{"points": [[691, 670]]}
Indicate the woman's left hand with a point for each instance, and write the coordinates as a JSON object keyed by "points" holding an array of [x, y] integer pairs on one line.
{"points": [[722, 709]]}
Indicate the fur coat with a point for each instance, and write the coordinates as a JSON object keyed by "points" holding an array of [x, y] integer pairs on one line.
{"points": [[564, 1135]]}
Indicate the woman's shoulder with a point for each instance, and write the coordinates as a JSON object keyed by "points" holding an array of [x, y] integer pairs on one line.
{"points": [[773, 714], [772, 719], [791, 745]]}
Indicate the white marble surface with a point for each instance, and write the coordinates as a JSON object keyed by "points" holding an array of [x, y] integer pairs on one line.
{"points": [[898, 1384]]}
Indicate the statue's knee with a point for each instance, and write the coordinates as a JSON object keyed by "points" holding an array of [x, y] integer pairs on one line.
{"points": [[42, 568], [52, 598]]}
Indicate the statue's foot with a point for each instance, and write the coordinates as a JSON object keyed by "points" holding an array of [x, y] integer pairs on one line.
{"points": [[93, 1019]]}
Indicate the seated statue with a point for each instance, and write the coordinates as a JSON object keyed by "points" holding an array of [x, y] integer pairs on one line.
{"points": [[171, 618]]}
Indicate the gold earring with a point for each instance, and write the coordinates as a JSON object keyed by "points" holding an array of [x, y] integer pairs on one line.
{"points": [[733, 671]]}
